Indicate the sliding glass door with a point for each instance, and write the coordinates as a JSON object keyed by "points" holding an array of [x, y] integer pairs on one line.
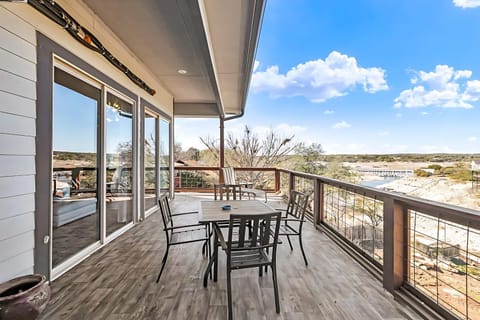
{"points": [[75, 161], [164, 180], [118, 162], [150, 147]]}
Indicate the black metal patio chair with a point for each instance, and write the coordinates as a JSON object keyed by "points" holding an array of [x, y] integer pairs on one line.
{"points": [[181, 234], [292, 222], [251, 251]]}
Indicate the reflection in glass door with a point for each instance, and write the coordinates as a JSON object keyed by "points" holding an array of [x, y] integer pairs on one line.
{"points": [[164, 156], [119, 163], [150, 160], [75, 159]]}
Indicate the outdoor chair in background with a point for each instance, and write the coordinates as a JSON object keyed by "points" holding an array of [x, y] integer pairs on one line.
{"points": [[244, 188], [251, 250], [181, 234], [292, 222]]}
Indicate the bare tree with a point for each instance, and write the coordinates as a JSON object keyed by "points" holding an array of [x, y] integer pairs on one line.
{"points": [[249, 150]]}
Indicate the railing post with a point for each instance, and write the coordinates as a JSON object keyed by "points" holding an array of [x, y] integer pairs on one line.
{"points": [[394, 242], [291, 183], [318, 202], [277, 180]]}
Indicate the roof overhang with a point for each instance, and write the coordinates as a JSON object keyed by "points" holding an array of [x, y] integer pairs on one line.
{"points": [[214, 41]]}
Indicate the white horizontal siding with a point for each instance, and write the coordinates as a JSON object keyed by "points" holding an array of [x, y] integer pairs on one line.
{"points": [[16, 145], [16, 225], [21, 243], [12, 83], [17, 26], [16, 165], [15, 186], [18, 125], [18, 95], [13, 104], [11, 267], [16, 45], [17, 65], [16, 205]]}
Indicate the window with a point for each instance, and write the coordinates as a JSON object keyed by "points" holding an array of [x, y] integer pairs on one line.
{"points": [[75, 159], [150, 159], [119, 162]]}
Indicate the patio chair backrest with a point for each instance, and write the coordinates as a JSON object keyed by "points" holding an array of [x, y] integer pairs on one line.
{"points": [[163, 203], [229, 176], [297, 204], [259, 235]]}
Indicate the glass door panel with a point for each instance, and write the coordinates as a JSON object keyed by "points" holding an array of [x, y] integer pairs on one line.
{"points": [[164, 156], [150, 160], [75, 159], [119, 163]]}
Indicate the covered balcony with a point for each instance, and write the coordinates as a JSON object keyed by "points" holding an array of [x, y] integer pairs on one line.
{"points": [[90, 95]]}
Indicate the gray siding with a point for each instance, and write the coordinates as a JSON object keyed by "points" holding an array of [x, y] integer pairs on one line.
{"points": [[17, 145]]}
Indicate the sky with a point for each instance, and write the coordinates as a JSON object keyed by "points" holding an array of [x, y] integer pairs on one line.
{"points": [[364, 76]]}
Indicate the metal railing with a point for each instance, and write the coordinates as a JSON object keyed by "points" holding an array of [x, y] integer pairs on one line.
{"points": [[202, 179], [431, 249]]}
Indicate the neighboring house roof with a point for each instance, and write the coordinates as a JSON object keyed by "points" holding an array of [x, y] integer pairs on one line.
{"points": [[214, 41]]}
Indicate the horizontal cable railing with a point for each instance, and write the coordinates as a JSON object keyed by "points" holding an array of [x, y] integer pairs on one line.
{"points": [[430, 248], [203, 179]]}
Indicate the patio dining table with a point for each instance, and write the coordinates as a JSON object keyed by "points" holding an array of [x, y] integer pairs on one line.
{"points": [[213, 212]]}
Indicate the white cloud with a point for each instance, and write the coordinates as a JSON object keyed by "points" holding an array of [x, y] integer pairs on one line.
{"points": [[341, 125], [384, 133], [445, 87], [283, 129], [327, 112], [424, 113], [472, 139], [467, 3], [398, 115], [320, 80]]}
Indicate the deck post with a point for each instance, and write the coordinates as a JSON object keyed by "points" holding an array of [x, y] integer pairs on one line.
{"points": [[277, 180], [394, 240], [318, 202], [222, 148], [291, 183]]}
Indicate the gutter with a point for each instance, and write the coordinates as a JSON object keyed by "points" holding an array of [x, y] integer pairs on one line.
{"points": [[251, 50]]}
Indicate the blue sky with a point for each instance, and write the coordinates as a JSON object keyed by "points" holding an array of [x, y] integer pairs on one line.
{"points": [[366, 76]]}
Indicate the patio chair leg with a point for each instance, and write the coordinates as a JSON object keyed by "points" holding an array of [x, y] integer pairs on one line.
{"points": [[290, 243], [229, 295], [164, 261], [303, 252], [275, 287]]}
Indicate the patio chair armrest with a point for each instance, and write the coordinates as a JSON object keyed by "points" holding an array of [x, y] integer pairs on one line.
{"points": [[184, 213], [220, 237], [185, 226]]}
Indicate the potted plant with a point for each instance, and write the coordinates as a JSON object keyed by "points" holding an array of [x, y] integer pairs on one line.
{"points": [[24, 297]]}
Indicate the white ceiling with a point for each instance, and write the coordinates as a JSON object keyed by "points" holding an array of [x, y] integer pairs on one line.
{"points": [[170, 35]]}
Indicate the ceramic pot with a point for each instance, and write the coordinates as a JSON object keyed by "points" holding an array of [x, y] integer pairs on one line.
{"points": [[24, 297]]}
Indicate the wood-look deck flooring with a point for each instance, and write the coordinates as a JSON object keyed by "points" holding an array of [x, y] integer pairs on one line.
{"points": [[118, 282]]}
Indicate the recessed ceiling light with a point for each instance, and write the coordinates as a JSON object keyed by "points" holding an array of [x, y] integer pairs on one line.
{"points": [[182, 71]]}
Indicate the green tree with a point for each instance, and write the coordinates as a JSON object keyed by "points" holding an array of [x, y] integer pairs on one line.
{"points": [[310, 158]]}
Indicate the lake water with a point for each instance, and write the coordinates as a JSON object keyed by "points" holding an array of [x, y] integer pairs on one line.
{"points": [[376, 183]]}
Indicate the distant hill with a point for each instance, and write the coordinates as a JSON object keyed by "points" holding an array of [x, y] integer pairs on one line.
{"points": [[404, 157]]}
